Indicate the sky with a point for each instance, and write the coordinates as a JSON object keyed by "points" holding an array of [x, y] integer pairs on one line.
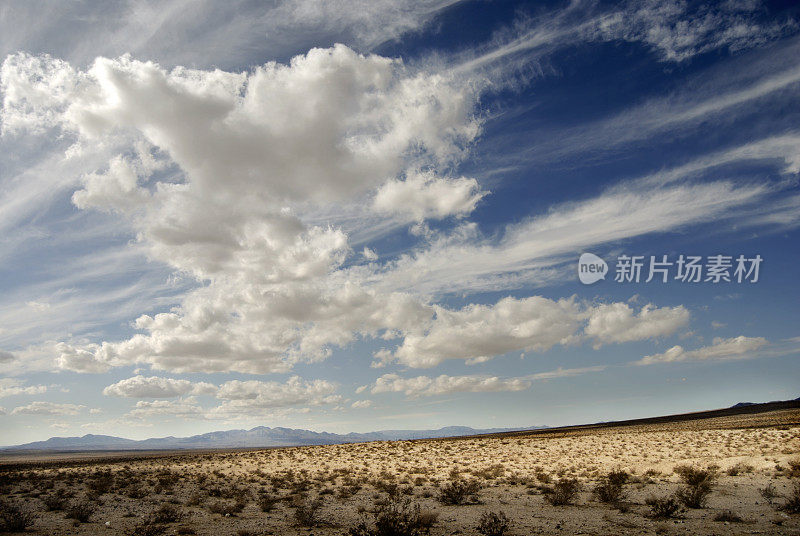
{"points": [[366, 215]]}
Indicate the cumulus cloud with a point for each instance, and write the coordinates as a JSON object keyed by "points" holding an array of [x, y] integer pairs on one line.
{"points": [[79, 359], [359, 404], [426, 386], [422, 195], [477, 333], [483, 331], [239, 399], [156, 387], [262, 394], [740, 347], [330, 125], [183, 408], [619, 322], [13, 386], [48, 408]]}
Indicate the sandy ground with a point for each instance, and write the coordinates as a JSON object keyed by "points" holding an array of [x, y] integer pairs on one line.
{"points": [[223, 493]]}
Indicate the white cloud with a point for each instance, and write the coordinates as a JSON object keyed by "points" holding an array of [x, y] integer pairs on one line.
{"points": [[331, 124], [422, 195], [295, 391], [13, 387], [80, 359], [529, 252], [156, 387], [618, 322], [425, 386], [483, 331], [48, 408], [678, 31], [369, 254], [360, 404], [477, 333], [740, 347], [183, 408], [444, 384], [564, 373]]}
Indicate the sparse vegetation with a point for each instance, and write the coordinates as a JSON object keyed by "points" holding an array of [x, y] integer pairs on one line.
{"points": [[460, 492], [13, 518], [698, 484], [395, 518], [306, 511], [728, 516], [81, 511], [792, 503], [563, 492], [664, 507], [611, 488], [493, 524], [386, 488]]}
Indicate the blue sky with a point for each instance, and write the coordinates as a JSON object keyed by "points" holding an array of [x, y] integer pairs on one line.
{"points": [[364, 215]]}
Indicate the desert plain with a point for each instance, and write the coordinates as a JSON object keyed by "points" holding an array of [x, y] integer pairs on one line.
{"points": [[721, 475]]}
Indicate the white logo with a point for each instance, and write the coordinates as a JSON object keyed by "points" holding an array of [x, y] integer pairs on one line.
{"points": [[591, 268]]}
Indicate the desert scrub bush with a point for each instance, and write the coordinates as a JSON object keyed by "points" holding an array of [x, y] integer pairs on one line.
{"points": [[14, 519], [81, 510], [493, 524], [490, 473], [611, 488], [224, 508], [166, 513], [267, 502], [101, 482], [698, 484], [56, 501], [739, 468], [664, 507], [395, 518], [460, 492], [728, 516], [306, 511], [792, 503], [794, 467], [768, 493], [147, 528], [563, 492]]}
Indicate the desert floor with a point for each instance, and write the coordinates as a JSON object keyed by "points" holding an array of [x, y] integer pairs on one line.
{"points": [[750, 463]]}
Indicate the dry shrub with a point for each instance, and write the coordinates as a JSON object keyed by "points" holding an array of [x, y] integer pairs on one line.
{"points": [[166, 513], [395, 518], [493, 523], [81, 510], [663, 507], [611, 488], [267, 502], [460, 492], [792, 504], [563, 492], [698, 485], [306, 511], [728, 516], [13, 519]]}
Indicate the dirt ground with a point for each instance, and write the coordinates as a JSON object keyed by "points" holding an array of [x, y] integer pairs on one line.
{"points": [[748, 466]]}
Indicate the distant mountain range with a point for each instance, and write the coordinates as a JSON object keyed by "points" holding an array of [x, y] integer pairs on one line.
{"points": [[260, 436], [263, 436]]}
